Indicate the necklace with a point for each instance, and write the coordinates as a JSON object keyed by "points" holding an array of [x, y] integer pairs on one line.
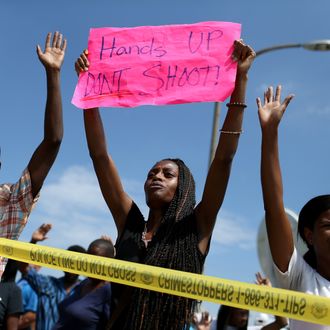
{"points": [[144, 237]]}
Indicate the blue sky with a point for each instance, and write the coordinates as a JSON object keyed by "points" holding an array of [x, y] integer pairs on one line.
{"points": [[138, 137]]}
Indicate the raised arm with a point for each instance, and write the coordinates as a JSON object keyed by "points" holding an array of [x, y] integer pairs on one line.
{"points": [[280, 321], [278, 226], [12, 322], [44, 156], [27, 320], [204, 323], [108, 177], [219, 172], [38, 235]]}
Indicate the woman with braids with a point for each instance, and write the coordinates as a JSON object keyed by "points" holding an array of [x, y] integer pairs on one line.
{"points": [[310, 273], [176, 233]]}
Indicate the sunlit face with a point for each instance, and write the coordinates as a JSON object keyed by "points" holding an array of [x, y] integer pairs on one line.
{"points": [[238, 317], [319, 238], [161, 184]]}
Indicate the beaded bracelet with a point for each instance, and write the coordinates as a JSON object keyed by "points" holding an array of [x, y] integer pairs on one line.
{"points": [[237, 104], [231, 132]]}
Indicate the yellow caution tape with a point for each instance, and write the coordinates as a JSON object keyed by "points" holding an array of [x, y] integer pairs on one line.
{"points": [[291, 304]]}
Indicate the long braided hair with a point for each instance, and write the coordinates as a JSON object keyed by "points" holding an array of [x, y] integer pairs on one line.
{"points": [[174, 246]]}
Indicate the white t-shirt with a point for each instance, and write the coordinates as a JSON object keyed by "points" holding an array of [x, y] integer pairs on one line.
{"points": [[302, 277]]}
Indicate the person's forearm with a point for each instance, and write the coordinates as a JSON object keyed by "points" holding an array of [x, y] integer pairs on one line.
{"points": [[232, 125], [271, 177], [95, 135], [53, 126], [278, 227], [26, 320], [12, 322], [219, 172], [239, 92], [23, 266]]}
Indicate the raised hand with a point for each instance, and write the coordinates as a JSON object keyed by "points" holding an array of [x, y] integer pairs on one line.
{"points": [[204, 323], [244, 55], [53, 56], [271, 113], [40, 234], [263, 280], [107, 238], [82, 63]]}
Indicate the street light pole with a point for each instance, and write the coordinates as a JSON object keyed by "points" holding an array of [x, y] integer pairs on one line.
{"points": [[317, 45], [215, 129], [277, 47]]}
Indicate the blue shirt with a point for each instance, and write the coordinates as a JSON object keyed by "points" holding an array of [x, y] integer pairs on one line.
{"points": [[50, 291], [88, 312], [30, 298]]}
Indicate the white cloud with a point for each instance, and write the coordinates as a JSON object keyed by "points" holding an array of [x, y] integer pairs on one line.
{"points": [[231, 230], [322, 111], [77, 189], [74, 205]]}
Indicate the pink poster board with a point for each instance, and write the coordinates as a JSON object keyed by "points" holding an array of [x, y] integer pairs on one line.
{"points": [[158, 65]]}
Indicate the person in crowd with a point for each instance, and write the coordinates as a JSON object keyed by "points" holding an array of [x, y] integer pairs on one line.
{"points": [[263, 321], [17, 200], [88, 307], [11, 306], [176, 233], [27, 320], [310, 273], [50, 290], [29, 297], [232, 318]]}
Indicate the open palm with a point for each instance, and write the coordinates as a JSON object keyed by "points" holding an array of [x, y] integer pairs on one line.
{"points": [[41, 233], [53, 56], [261, 280], [271, 112]]}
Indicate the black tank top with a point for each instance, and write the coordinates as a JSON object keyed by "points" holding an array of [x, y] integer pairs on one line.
{"points": [[130, 247]]}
